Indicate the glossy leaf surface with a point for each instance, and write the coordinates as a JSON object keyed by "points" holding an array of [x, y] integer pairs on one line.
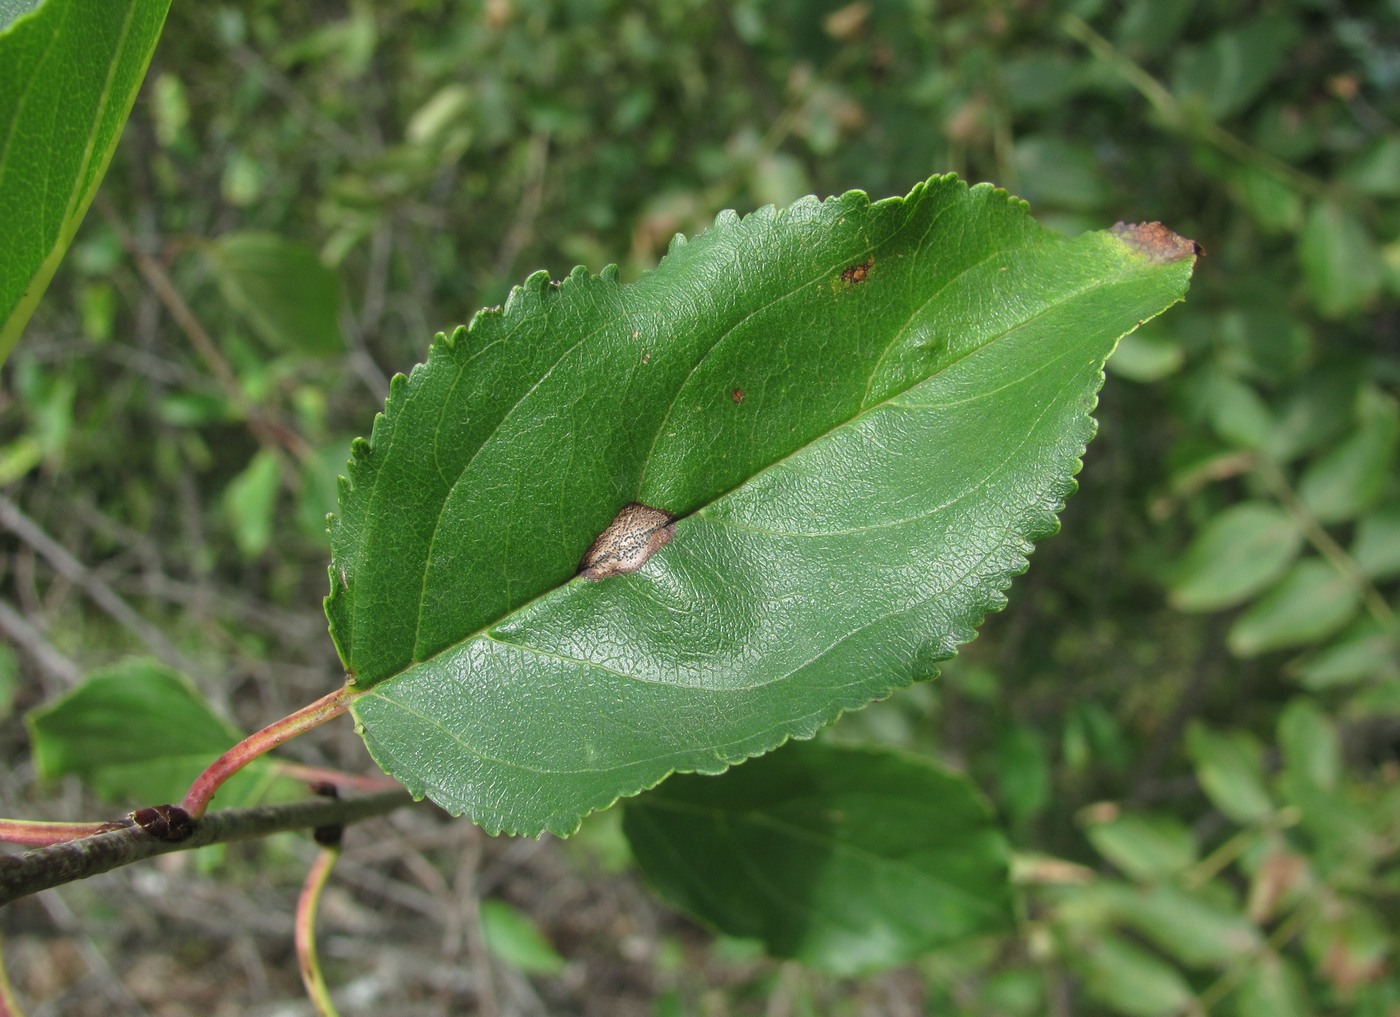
{"points": [[69, 72], [851, 859], [861, 414]]}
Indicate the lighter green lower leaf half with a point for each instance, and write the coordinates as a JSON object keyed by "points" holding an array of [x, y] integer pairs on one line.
{"points": [[832, 549]]}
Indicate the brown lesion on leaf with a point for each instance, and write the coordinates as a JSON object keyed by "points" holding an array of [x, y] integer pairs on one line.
{"points": [[737, 395], [858, 273], [635, 534], [1155, 242]]}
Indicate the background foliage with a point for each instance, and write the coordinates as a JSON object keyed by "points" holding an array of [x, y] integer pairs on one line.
{"points": [[1187, 719]]}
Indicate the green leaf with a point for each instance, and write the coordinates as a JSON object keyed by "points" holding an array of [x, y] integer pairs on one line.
{"points": [[517, 941], [1237, 554], [249, 501], [69, 72], [284, 290], [1230, 767], [1144, 847], [862, 416], [9, 680], [849, 859], [1225, 74], [1131, 981], [1365, 653], [1273, 988], [1376, 547], [1352, 476], [1310, 743], [1313, 601], [1339, 260], [1193, 930], [137, 732]]}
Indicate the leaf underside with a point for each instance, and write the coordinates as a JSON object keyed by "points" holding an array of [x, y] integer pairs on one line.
{"points": [[862, 416]]}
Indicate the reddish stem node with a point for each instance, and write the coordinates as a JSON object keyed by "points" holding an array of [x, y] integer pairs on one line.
{"points": [[207, 784]]}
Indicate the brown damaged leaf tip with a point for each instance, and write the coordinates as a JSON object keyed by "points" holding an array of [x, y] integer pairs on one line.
{"points": [[1155, 242], [637, 533]]}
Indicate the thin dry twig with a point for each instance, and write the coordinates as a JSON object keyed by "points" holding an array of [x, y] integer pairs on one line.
{"points": [[70, 568]]}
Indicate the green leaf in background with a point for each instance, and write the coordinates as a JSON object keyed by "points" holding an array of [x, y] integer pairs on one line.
{"points": [[138, 732], [69, 73], [1377, 544], [284, 290], [1197, 931], [517, 941], [1339, 259], [1365, 652], [1131, 981], [861, 414], [1144, 847], [849, 859], [1230, 767], [1313, 601], [1353, 475], [1273, 988], [249, 500], [1234, 556], [9, 680], [1310, 743]]}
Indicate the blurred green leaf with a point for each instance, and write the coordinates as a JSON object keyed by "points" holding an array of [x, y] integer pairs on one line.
{"points": [[1145, 358], [517, 941], [284, 290], [1339, 259], [1310, 603], [1273, 988], [249, 501], [1023, 772], [137, 732], [1231, 70], [1198, 932], [1353, 475], [1376, 546], [1230, 767], [1144, 847], [1365, 653], [1310, 743], [69, 73], [1130, 981], [1234, 556], [849, 859], [9, 680]]}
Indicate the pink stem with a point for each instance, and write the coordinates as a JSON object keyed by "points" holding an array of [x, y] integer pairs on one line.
{"points": [[38, 834], [322, 775], [202, 791]]}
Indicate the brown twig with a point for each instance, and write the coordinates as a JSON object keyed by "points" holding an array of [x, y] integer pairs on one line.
{"points": [[45, 868]]}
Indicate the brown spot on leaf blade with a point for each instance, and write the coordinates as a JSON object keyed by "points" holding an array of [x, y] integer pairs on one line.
{"points": [[737, 395], [1155, 242], [636, 533], [858, 273]]}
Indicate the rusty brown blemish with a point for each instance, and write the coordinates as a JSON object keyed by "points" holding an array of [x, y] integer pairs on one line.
{"points": [[636, 533], [1155, 242], [737, 395], [858, 273]]}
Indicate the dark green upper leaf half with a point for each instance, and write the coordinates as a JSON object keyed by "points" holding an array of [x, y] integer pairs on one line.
{"points": [[861, 414], [69, 73]]}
